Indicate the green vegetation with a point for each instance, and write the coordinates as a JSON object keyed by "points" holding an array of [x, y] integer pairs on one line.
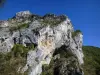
{"points": [[19, 51], [75, 33], [48, 69], [63, 52], [92, 60], [55, 64], [31, 46], [50, 22], [18, 27], [10, 62]]}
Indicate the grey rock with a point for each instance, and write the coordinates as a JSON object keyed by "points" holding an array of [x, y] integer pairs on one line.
{"points": [[46, 37]]}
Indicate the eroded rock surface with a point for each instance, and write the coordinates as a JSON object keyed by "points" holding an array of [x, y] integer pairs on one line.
{"points": [[47, 33]]}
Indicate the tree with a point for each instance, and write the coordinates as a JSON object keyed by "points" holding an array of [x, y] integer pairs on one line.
{"points": [[2, 2]]}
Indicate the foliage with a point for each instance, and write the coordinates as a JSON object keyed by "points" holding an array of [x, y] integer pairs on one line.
{"points": [[50, 22], [63, 52], [10, 62], [2, 2], [19, 50], [92, 60], [75, 33], [17, 27], [51, 68], [31, 46], [10, 65], [48, 69]]}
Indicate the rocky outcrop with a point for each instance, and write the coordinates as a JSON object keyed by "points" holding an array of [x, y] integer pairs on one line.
{"points": [[3, 24], [47, 33]]}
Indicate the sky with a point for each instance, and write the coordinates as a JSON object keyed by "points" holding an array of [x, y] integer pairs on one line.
{"points": [[84, 14]]}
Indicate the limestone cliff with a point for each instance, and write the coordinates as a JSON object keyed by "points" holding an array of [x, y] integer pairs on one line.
{"points": [[48, 33]]}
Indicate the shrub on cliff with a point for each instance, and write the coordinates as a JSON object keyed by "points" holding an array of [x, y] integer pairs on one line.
{"points": [[75, 33], [19, 50], [10, 62], [17, 27]]}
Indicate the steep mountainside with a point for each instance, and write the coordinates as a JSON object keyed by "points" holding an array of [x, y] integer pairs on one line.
{"points": [[40, 45]]}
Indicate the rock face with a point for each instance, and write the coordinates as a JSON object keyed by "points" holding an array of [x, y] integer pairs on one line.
{"points": [[47, 33]]}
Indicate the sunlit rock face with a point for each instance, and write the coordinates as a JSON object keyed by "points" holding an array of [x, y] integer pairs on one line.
{"points": [[4, 23], [47, 36], [23, 14], [79, 40]]}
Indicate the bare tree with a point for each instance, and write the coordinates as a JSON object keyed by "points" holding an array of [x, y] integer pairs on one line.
{"points": [[2, 2]]}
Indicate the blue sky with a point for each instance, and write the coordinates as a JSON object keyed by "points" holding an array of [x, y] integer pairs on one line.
{"points": [[84, 14]]}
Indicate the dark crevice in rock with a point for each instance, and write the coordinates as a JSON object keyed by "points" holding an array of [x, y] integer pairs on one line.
{"points": [[67, 64]]}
